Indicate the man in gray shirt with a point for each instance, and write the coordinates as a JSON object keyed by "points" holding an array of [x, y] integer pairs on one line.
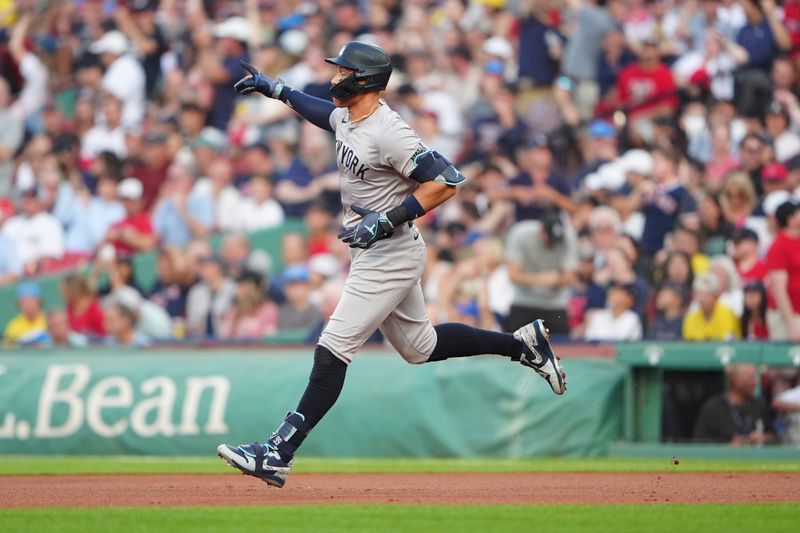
{"points": [[542, 260], [584, 46]]}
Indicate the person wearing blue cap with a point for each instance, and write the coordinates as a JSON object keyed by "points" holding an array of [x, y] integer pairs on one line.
{"points": [[600, 147], [297, 312], [29, 327]]}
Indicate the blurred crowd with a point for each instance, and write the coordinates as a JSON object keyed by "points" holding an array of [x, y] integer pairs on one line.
{"points": [[633, 165]]}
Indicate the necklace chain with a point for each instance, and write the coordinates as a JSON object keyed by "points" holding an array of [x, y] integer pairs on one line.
{"points": [[365, 117]]}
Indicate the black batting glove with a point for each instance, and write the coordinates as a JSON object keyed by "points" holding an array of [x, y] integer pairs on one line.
{"points": [[257, 82], [373, 227]]}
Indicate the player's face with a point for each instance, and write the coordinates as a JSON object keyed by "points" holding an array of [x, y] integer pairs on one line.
{"points": [[341, 73]]}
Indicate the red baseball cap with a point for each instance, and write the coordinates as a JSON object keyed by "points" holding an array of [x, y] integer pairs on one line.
{"points": [[6, 208], [774, 172]]}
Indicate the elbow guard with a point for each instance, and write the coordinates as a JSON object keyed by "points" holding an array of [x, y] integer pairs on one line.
{"points": [[433, 166]]}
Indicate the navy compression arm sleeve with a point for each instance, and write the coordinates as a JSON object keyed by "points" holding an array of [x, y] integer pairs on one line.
{"points": [[315, 110]]}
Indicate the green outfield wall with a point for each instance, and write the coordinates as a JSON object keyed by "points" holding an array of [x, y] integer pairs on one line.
{"points": [[186, 403]]}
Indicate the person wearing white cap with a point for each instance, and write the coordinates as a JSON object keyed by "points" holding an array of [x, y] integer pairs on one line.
{"points": [[135, 232], [124, 76], [222, 67]]}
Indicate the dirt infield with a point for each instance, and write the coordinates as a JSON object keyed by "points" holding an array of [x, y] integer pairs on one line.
{"points": [[461, 488]]}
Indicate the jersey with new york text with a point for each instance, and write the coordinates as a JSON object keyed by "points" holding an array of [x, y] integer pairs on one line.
{"points": [[375, 157]]}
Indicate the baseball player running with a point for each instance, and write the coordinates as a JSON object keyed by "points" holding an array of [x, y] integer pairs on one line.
{"points": [[388, 178]]}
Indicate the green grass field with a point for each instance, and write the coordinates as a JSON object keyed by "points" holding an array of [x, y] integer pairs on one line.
{"points": [[399, 518], [26, 464], [708, 518]]}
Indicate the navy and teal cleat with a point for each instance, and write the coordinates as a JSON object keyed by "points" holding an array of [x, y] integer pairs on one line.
{"points": [[539, 355], [257, 460]]}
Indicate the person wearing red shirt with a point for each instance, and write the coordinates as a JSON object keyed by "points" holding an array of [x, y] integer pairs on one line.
{"points": [[783, 275], [791, 20], [745, 255], [320, 224], [134, 233], [151, 170], [83, 310], [646, 90]]}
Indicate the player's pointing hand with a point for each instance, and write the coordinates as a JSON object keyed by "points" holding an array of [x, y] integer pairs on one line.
{"points": [[373, 227], [257, 82]]}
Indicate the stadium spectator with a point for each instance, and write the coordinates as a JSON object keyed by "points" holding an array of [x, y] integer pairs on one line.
{"points": [[218, 188], [587, 296], [783, 276], [584, 47], [297, 312], [295, 185], [29, 327], [731, 295], [251, 317], [124, 77], [294, 252], [735, 416], [539, 189], [787, 403], [662, 200], [714, 229], [721, 161], [138, 21], [754, 153], [786, 142], [152, 321], [173, 281], [36, 234], [221, 66], [59, 334], [10, 262], [762, 35], [208, 146], [710, 319], [150, 168], [134, 233], [321, 229], [542, 259], [259, 210], [617, 321], [745, 255], [105, 136], [180, 216], [645, 90], [238, 255], [11, 137], [118, 273], [33, 94], [191, 121], [83, 309], [738, 198], [210, 299], [671, 301], [91, 218], [754, 318], [120, 323]]}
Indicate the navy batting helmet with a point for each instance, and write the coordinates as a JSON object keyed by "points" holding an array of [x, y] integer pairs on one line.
{"points": [[371, 64]]}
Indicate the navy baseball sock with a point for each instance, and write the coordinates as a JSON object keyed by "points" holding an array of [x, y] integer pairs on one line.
{"points": [[460, 340], [324, 385]]}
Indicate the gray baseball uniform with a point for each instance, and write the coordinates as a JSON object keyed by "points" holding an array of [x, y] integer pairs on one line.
{"points": [[383, 288]]}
